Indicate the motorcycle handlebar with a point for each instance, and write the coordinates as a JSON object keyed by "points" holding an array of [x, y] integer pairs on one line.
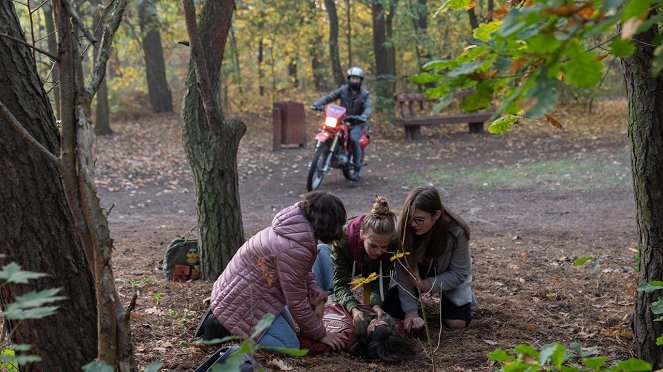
{"points": [[354, 118]]}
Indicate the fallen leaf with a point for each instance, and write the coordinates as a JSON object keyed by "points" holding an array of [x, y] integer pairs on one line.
{"points": [[280, 365]]}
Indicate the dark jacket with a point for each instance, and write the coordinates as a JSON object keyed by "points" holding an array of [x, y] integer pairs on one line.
{"points": [[350, 259], [355, 103]]}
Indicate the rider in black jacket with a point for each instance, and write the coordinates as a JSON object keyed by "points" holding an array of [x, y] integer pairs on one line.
{"points": [[357, 102]]}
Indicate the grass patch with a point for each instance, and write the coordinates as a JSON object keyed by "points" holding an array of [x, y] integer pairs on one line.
{"points": [[565, 174]]}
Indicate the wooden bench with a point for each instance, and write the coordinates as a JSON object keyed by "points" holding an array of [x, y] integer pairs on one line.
{"points": [[412, 118]]}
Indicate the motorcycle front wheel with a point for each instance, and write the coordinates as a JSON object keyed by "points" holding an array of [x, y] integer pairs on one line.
{"points": [[316, 170]]}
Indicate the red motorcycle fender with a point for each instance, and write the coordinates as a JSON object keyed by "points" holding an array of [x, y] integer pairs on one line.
{"points": [[322, 136]]}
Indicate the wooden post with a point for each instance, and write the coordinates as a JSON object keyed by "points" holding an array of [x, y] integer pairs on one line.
{"points": [[276, 128]]}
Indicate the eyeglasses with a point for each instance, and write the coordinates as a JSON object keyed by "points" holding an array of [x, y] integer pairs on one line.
{"points": [[420, 220]]}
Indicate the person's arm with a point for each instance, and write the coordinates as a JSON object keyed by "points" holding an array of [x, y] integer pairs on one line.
{"points": [[342, 264], [459, 268], [368, 108], [331, 97], [292, 270]]}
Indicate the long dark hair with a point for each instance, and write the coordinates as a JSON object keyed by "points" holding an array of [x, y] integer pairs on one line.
{"points": [[386, 345], [434, 243], [326, 213]]}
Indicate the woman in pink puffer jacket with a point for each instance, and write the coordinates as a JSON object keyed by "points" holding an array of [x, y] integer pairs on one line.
{"points": [[271, 274]]}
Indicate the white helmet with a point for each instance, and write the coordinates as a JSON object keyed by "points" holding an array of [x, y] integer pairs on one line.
{"points": [[355, 71]]}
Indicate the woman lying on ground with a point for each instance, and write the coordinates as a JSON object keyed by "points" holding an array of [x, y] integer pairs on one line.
{"points": [[271, 274], [376, 337], [438, 260], [366, 248]]}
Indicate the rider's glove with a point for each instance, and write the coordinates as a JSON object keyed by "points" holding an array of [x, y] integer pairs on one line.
{"points": [[317, 107]]}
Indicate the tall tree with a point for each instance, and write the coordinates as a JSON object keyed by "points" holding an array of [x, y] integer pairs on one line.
{"points": [[102, 109], [316, 54], [385, 53], [423, 46], [74, 187], [155, 67], [211, 142], [334, 57], [36, 227], [551, 38]]}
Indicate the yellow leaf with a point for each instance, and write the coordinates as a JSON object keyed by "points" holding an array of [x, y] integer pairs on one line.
{"points": [[398, 255], [552, 120]]}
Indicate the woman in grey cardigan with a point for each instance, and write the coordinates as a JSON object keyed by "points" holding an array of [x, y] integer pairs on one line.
{"points": [[436, 242]]}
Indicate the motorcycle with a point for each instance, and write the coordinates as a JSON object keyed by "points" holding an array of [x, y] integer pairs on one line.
{"points": [[333, 148]]}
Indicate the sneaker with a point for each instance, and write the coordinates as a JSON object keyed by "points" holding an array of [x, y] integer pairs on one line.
{"points": [[355, 177]]}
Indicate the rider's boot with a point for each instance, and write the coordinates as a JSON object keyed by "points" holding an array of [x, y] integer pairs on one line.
{"points": [[355, 176]]}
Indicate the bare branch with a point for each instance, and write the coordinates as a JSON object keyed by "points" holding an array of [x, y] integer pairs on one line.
{"points": [[78, 22], [41, 5], [29, 46], [11, 119], [104, 50], [214, 117]]}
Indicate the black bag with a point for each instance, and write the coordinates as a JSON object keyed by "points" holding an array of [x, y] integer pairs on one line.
{"points": [[181, 261], [249, 364]]}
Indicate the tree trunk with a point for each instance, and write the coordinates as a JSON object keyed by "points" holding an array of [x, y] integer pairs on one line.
{"points": [[53, 49], [102, 110], [36, 227], [238, 69], [292, 72], [155, 67], [423, 45], [645, 96], [337, 72], [348, 33], [385, 56], [318, 66], [212, 145], [474, 20]]}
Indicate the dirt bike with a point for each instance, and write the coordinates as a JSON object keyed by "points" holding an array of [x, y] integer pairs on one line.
{"points": [[333, 148]]}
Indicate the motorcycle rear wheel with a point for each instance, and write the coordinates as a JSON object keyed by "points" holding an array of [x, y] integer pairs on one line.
{"points": [[315, 170]]}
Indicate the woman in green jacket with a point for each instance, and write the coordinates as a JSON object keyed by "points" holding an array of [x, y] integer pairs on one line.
{"points": [[369, 242]]}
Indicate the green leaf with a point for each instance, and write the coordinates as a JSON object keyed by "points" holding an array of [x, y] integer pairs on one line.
{"points": [[454, 5], [439, 65], [502, 124], [289, 351], [596, 264], [542, 43], [622, 48], [480, 99], [466, 68], [636, 9], [582, 260], [25, 359], [444, 101], [425, 78], [499, 355], [581, 69], [657, 306], [634, 365], [262, 325], [595, 363], [650, 287], [545, 92], [216, 341], [485, 30], [97, 366], [659, 340], [553, 352], [12, 273], [511, 24], [36, 313], [657, 63], [20, 347], [35, 299]]}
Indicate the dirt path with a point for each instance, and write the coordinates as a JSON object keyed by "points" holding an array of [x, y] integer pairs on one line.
{"points": [[535, 199]]}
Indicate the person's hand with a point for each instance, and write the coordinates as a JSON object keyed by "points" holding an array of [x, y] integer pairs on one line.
{"points": [[319, 309], [334, 340], [424, 285], [378, 311], [357, 315], [413, 324], [317, 107]]}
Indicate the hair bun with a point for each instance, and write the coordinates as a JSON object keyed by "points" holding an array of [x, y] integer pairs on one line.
{"points": [[380, 208]]}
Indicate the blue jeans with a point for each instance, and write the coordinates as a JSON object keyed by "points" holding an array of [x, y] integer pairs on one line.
{"points": [[322, 268], [355, 134], [281, 333]]}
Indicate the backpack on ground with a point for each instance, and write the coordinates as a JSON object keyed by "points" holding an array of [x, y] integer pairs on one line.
{"points": [[181, 261], [245, 364]]}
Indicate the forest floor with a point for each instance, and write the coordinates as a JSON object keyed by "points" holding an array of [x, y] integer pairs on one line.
{"points": [[536, 199]]}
